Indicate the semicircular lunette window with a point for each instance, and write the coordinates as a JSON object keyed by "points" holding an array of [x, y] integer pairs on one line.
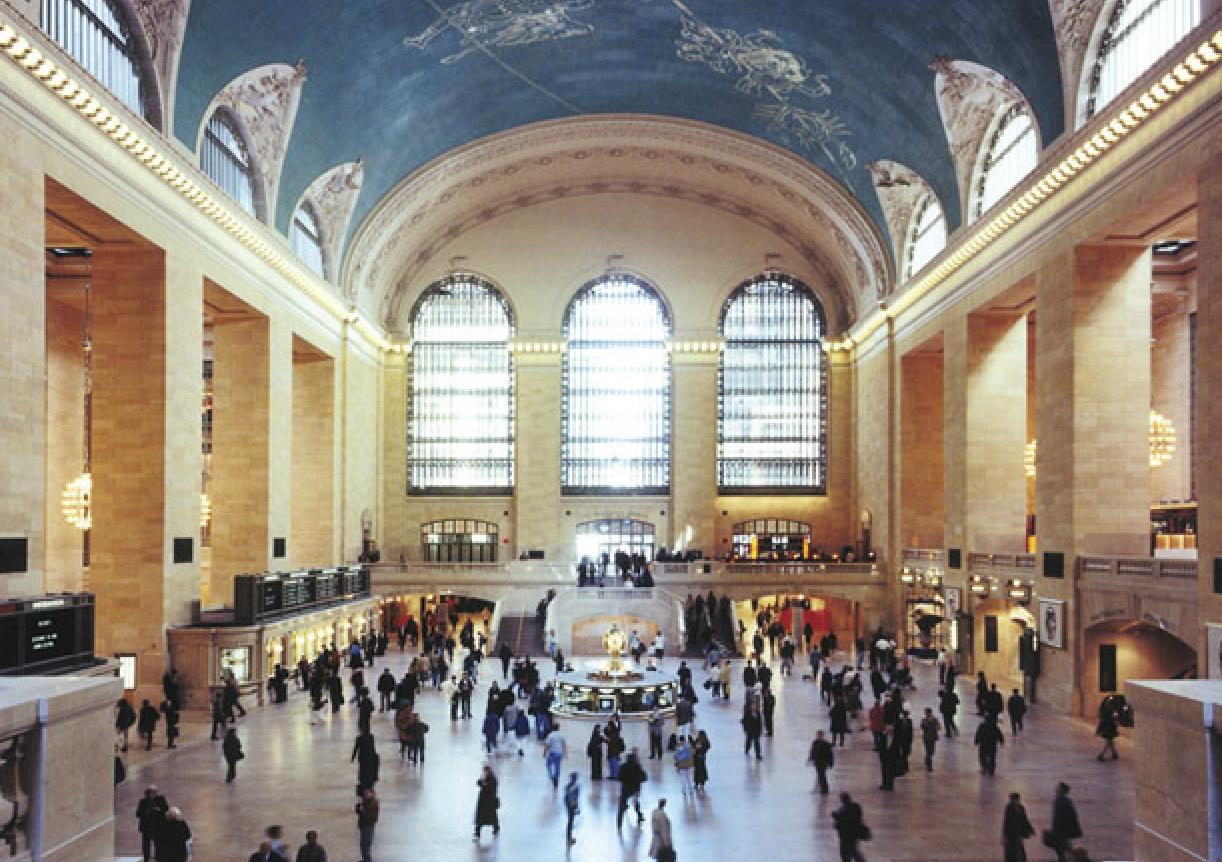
{"points": [[460, 391], [1012, 154], [224, 158], [96, 35], [616, 412], [772, 405], [306, 238]]}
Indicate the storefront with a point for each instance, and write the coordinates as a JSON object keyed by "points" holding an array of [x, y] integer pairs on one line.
{"points": [[206, 656]]}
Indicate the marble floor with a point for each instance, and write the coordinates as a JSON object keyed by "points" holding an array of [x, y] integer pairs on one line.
{"points": [[299, 776]]}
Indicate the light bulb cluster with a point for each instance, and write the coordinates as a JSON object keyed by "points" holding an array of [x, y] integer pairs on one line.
{"points": [[76, 502]]}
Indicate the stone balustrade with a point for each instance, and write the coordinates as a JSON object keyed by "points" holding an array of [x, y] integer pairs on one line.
{"points": [[1152, 569]]}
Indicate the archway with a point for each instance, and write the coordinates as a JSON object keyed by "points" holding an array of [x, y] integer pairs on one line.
{"points": [[1119, 650], [997, 626]]}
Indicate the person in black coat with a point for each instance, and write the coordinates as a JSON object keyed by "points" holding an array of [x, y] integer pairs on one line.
{"points": [[839, 721], [631, 777], [1107, 730], [1015, 827], [125, 717], [948, 705], [1065, 826], [594, 750], [487, 803], [988, 737], [850, 829], [151, 811], [172, 838], [335, 692], [231, 750], [823, 757], [386, 690], [889, 757], [147, 724], [365, 753], [170, 711], [218, 714], [982, 694], [753, 726], [1016, 706], [769, 708]]}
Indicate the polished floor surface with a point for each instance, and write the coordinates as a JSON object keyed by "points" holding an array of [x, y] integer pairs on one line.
{"points": [[299, 776]]}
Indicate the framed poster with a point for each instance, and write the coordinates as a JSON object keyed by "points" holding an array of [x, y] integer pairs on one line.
{"points": [[954, 601], [1213, 640], [1051, 623]]}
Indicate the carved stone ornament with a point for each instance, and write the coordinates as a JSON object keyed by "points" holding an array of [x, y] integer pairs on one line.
{"points": [[900, 189], [164, 22], [265, 102], [1074, 22], [333, 196], [970, 97]]}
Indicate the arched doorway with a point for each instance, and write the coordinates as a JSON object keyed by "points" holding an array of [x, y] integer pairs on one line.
{"points": [[997, 628], [609, 535], [1120, 650]]}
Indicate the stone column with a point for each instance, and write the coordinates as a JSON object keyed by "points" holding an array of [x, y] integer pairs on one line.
{"points": [[241, 431], [22, 351], [129, 457], [694, 451], [537, 482], [1209, 409], [394, 460], [312, 539], [1092, 427], [921, 449]]}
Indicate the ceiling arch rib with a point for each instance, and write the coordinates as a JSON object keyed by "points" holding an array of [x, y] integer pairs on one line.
{"points": [[643, 156]]}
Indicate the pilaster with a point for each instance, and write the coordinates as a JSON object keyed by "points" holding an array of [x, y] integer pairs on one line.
{"points": [[694, 458]]}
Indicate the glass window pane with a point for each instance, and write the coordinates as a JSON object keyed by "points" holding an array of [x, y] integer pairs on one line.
{"points": [[223, 157], [616, 418], [772, 399], [1013, 153], [460, 391], [95, 34]]}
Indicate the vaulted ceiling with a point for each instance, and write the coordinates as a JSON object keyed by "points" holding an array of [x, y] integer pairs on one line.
{"points": [[400, 83]]}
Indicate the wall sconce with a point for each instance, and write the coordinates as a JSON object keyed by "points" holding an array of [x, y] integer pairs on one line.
{"points": [[1018, 591], [933, 578], [979, 585], [907, 576]]}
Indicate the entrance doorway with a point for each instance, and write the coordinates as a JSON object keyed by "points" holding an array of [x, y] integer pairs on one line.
{"points": [[608, 535]]}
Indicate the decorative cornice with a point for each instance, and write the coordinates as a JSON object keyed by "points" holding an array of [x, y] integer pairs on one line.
{"points": [[710, 165]]}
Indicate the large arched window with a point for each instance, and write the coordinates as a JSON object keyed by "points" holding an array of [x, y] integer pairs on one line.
{"points": [[224, 158], [1139, 33], [306, 237], [772, 409], [96, 34], [460, 391], [1012, 153], [926, 235], [616, 413]]}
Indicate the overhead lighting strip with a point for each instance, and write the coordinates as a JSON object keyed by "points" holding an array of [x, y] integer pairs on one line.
{"points": [[62, 84], [1161, 92]]}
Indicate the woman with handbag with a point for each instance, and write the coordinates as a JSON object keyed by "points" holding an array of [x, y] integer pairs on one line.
{"points": [[684, 763]]}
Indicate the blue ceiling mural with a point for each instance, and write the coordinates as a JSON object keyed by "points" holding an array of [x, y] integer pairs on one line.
{"points": [[400, 82]]}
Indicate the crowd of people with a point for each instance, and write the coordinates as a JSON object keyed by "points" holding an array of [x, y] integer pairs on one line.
{"points": [[517, 717]]}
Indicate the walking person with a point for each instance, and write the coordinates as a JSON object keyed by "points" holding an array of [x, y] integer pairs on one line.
{"points": [[487, 803], [684, 763], [147, 724], [150, 814], [657, 729], [174, 838], [1065, 825], [311, 851], [554, 750], [930, 731], [753, 726], [1016, 707], [662, 846], [1107, 730], [572, 793], [851, 829], [700, 752], [594, 750], [631, 777], [948, 705], [367, 810], [170, 711], [823, 757], [988, 738], [839, 716], [231, 750], [1015, 828], [125, 717], [218, 715]]}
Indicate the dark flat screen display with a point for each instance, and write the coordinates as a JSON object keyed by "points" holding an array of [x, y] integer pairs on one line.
{"points": [[50, 635]]}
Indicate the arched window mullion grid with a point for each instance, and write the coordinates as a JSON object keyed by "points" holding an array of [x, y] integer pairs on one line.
{"points": [[460, 438], [1139, 33], [306, 237], [615, 434], [1012, 153], [96, 34], [772, 390], [926, 237], [459, 540], [226, 160]]}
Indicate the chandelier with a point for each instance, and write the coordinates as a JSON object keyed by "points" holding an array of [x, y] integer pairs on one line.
{"points": [[1162, 439], [1162, 443], [76, 502]]}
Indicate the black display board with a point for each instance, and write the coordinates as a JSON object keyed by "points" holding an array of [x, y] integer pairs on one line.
{"points": [[275, 594], [46, 633]]}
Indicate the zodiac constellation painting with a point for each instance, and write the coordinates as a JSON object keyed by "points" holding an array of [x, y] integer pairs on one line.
{"points": [[487, 24], [763, 67]]}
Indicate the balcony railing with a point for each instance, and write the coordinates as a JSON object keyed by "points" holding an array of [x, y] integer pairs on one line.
{"points": [[1138, 568]]}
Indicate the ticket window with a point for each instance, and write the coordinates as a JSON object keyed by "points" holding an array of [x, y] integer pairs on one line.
{"points": [[235, 663]]}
